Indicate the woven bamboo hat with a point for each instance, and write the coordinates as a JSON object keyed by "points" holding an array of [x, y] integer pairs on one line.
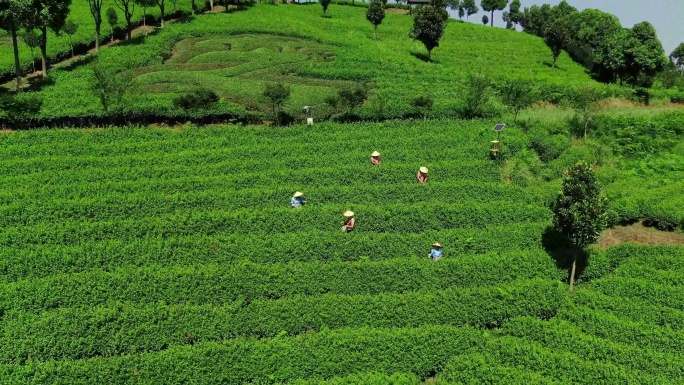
{"points": [[298, 194], [436, 244], [375, 153], [424, 170], [348, 213]]}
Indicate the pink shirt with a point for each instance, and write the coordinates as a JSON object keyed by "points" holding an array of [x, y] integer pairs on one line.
{"points": [[375, 160], [422, 178]]}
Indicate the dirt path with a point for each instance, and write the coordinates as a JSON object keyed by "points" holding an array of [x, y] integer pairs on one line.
{"points": [[639, 234]]}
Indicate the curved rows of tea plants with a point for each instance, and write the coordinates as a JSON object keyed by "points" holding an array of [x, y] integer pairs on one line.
{"points": [[162, 256]]}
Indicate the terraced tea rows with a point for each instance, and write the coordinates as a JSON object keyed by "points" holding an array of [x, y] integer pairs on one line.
{"points": [[162, 256]]}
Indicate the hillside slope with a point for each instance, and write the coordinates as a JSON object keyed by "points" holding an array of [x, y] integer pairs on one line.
{"points": [[236, 54]]}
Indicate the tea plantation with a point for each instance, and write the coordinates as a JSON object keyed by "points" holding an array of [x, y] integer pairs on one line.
{"points": [[172, 256]]}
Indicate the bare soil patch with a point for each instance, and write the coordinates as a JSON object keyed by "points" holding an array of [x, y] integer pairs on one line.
{"points": [[639, 234], [397, 10]]}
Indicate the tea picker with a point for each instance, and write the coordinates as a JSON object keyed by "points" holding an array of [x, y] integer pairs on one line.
{"points": [[436, 252], [349, 221], [297, 200], [422, 176], [375, 158]]}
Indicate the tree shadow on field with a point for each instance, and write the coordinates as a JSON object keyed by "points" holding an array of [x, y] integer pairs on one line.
{"points": [[140, 39], [83, 61], [561, 250], [424, 57]]}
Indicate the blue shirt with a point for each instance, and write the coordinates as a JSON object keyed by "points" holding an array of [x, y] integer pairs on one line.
{"points": [[296, 202], [436, 254]]}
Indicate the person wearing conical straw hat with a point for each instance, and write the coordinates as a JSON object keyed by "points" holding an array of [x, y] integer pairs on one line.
{"points": [[297, 200], [375, 158], [349, 222], [422, 175], [436, 252]]}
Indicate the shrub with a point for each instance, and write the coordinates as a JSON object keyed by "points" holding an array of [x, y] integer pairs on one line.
{"points": [[197, 98]]}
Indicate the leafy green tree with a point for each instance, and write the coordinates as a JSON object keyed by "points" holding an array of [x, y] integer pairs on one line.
{"points": [[580, 211], [109, 88], [45, 15], [493, 5], [470, 7], [11, 15], [461, 12], [145, 4], [555, 37], [485, 19], [518, 94], [644, 55], [277, 94], [586, 106], [515, 14], [112, 19], [128, 9], [375, 14], [32, 40], [536, 19], [352, 97], [507, 18], [325, 4], [677, 56], [70, 28], [423, 104], [478, 93], [428, 27], [96, 12]]}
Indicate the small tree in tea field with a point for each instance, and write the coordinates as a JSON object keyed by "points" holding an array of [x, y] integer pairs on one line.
{"points": [[580, 211], [423, 104], [517, 94], [375, 14], [325, 4], [428, 27], [112, 20], [70, 28], [277, 94], [485, 19]]}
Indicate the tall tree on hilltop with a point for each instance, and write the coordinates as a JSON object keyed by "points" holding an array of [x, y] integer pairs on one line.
{"points": [[96, 12], [515, 15], [128, 8], [580, 211], [45, 15], [112, 20], [644, 55], [428, 27], [493, 5], [485, 19], [470, 7], [11, 14], [677, 56], [375, 14], [556, 38]]}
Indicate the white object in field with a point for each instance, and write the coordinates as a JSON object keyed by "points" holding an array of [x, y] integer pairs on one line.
{"points": [[309, 121]]}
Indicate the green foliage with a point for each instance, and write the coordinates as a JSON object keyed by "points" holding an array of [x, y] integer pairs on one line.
{"points": [[580, 210], [677, 56], [70, 28], [277, 94], [197, 98], [428, 27], [325, 4], [352, 97], [423, 104], [15, 111], [478, 92], [376, 13], [485, 19], [493, 5], [517, 94], [109, 87], [470, 7]]}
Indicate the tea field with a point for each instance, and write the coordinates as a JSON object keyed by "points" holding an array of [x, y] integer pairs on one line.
{"points": [[172, 256], [236, 54]]}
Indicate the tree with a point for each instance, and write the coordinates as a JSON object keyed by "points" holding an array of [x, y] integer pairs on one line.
{"points": [[677, 56], [352, 97], [485, 19], [144, 4], [325, 4], [112, 19], [586, 105], [11, 15], [423, 104], [493, 5], [96, 13], [580, 212], [375, 14], [277, 94], [43, 15], [507, 18], [128, 8], [461, 12], [478, 93], [555, 38], [517, 94], [109, 87], [515, 15], [428, 27], [32, 40], [70, 28], [470, 7], [644, 56], [162, 7]]}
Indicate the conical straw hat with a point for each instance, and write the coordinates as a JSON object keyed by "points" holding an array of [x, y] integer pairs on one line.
{"points": [[375, 153], [436, 244], [298, 194], [424, 170], [348, 213]]}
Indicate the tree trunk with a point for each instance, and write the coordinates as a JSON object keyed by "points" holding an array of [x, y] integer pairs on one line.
{"points": [[144, 16], [72, 48], [161, 9], [192, 5], [572, 271], [211, 4], [492, 19], [97, 37], [15, 46], [129, 33], [43, 50], [429, 55]]}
